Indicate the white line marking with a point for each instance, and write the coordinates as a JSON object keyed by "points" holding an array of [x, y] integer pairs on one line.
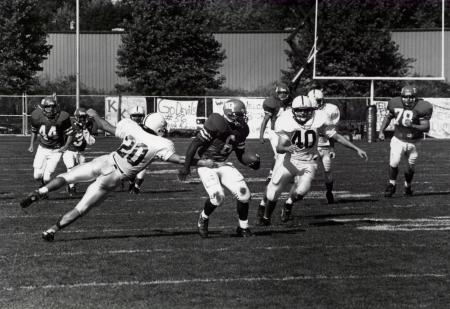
{"points": [[222, 280]]}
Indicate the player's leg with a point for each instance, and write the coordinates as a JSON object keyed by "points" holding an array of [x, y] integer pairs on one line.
{"points": [[81, 173], [263, 203], [70, 160], [135, 186], [211, 183], [302, 185], [273, 139], [233, 180], [282, 177], [53, 159], [39, 162], [325, 156], [95, 194], [411, 158], [396, 153]]}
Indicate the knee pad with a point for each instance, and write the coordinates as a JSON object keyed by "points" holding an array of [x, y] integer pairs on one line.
{"points": [[217, 198], [243, 195]]}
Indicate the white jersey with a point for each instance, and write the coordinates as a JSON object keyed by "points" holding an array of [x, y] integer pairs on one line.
{"points": [[334, 115], [304, 136], [139, 148]]}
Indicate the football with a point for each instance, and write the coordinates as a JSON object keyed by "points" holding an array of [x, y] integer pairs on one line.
{"points": [[251, 159]]}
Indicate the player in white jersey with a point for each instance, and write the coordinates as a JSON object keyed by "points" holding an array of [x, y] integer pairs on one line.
{"points": [[141, 145], [325, 146], [298, 133], [137, 115]]}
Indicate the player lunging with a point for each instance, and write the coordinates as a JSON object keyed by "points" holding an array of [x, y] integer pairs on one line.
{"points": [[325, 146], [411, 119], [140, 146], [74, 155], [53, 127], [220, 136], [299, 132], [137, 115]]}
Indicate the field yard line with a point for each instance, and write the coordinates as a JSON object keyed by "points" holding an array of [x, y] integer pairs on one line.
{"points": [[438, 220], [223, 280], [413, 228]]}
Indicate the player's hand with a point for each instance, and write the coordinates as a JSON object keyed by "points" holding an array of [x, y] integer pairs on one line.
{"points": [[381, 136], [261, 139], [183, 172], [362, 154], [92, 113], [407, 122], [207, 163], [31, 149], [293, 148]]}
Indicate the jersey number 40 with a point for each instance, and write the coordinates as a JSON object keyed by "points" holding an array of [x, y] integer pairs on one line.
{"points": [[304, 139]]}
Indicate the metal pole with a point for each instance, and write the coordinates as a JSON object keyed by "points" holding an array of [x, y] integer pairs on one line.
{"points": [[78, 54]]}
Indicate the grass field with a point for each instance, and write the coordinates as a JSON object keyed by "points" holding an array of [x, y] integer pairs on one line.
{"points": [[143, 251]]}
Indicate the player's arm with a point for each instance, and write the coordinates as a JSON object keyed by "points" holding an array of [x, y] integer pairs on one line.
{"points": [[196, 143], [384, 124], [284, 144], [342, 140], [32, 139], [101, 123], [424, 125], [263, 126]]}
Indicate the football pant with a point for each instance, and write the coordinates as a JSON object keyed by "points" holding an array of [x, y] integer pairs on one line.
{"points": [[72, 158], [399, 149], [324, 154], [45, 162], [273, 139], [214, 179], [283, 175]]}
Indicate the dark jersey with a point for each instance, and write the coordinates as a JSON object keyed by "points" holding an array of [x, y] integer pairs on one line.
{"points": [[422, 110], [79, 142], [220, 138], [272, 106], [51, 132]]}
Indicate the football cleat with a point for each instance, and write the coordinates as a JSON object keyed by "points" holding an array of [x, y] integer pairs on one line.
{"points": [[263, 221], [30, 199], [132, 189], [72, 191], [286, 213], [243, 232], [390, 190], [48, 235], [330, 197], [202, 225], [260, 212], [408, 191]]}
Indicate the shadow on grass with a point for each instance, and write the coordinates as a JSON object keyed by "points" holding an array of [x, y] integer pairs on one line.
{"points": [[354, 200]]}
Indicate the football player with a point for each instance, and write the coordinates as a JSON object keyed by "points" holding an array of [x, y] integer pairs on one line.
{"points": [[411, 119], [137, 115], [220, 136], [299, 132], [55, 134], [74, 155], [325, 146], [141, 145]]}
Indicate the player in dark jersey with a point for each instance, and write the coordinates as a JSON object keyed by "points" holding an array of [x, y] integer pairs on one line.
{"points": [[74, 155], [411, 119], [220, 136], [55, 132]]}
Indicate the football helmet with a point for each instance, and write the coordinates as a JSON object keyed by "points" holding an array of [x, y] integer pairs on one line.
{"points": [[409, 96], [303, 109], [234, 111], [155, 123], [282, 91], [80, 116], [49, 107], [316, 95], [136, 114]]}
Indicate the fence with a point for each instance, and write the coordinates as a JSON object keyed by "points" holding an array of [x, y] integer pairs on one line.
{"points": [[16, 110]]}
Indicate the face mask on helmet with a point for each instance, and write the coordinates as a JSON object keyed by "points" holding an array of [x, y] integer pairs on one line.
{"points": [[81, 116], [137, 114], [235, 111], [316, 96], [282, 92], [303, 109], [409, 96], [49, 107]]}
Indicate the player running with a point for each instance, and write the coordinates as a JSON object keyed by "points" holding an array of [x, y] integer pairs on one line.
{"points": [[325, 146], [55, 132], [74, 155], [141, 145], [220, 136], [299, 132], [411, 119]]}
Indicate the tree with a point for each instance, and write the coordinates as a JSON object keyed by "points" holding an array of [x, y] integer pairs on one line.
{"points": [[23, 44], [168, 50]]}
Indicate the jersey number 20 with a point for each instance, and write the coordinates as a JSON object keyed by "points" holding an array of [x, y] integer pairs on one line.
{"points": [[132, 151]]}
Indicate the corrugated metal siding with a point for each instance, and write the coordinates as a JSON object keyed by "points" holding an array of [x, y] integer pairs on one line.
{"points": [[254, 60]]}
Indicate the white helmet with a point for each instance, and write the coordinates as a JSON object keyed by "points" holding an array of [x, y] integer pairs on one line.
{"points": [[156, 123], [136, 113], [303, 109], [316, 96]]}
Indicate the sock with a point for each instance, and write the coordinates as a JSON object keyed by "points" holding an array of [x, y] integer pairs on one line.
{"points": [[43, 191], [393, 182], [329, 186], [243, 224], [208, 208], [269, 209], [242, 210]]}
